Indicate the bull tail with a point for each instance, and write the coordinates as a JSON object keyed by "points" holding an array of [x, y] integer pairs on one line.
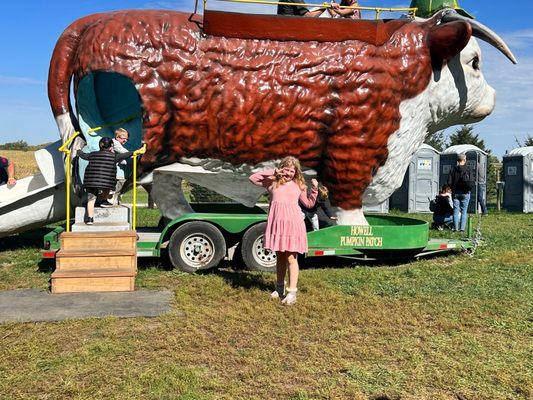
{"points": [[60, 75]]}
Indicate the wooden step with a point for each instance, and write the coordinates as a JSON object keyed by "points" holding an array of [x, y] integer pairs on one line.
{"points": [[99, 241], [87, 260], [104, 280], [121, 214], [101, 227]]}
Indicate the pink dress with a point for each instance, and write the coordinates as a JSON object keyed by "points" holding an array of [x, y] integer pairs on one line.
{"points": [[285, 229]]}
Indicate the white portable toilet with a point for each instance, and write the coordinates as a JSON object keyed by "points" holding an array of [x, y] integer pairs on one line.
{"points": [[518, 177], [476, 161], [421, 182]]}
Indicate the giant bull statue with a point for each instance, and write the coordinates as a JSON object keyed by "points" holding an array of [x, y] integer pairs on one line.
{"points": [[352, 108]]}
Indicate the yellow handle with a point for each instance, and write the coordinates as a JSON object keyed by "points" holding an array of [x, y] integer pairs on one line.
{"points": [[136, 153], [64, 149]]}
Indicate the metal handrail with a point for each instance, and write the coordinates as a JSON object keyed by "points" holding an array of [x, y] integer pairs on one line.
{"points": [[64, 149], [378, 10], [136, 153]]}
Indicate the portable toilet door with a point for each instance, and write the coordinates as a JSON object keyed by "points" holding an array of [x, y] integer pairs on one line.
{"points": [[476, 161], [518, 177], [421, 182], [423, 179], [400, 197], [480, 179]]}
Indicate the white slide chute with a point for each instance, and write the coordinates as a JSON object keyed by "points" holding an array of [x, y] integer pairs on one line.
{"points": [[36, 200]]}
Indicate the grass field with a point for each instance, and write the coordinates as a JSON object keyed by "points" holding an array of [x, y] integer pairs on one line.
{"points": [[25, 163], [450, 327]]}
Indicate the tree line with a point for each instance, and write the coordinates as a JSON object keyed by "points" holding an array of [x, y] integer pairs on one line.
{"points": [[22, 145]]}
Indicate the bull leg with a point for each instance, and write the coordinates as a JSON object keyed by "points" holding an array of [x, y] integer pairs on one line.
{"points": [[66, 130], [167, 194], [351, 217]]}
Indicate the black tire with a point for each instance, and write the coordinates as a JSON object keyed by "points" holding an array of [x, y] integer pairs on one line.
{"points": [[196, 246], [254, 255]]}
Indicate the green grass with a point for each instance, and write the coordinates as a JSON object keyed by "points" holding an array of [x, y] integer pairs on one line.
{"points": [[453, 327], [142, 196]]}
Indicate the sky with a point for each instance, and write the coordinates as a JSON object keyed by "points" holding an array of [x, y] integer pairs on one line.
{"points": [[30, 29]]}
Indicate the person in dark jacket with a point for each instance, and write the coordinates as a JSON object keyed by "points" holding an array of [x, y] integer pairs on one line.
{"points": [[443, 211], [322, 202], [461, 183], [301, 11], [100, 175]]}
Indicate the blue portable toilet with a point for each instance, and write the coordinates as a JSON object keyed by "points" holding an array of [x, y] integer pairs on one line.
{"points": [[518, 177], [420, 183], [476, 161]]}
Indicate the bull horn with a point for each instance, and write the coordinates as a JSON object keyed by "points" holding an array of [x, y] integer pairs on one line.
{"points": [[480, 31]]}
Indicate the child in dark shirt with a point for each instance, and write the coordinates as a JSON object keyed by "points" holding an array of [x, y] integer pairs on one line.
{"points": [[443, 208], [323, 203], [100, 175]]}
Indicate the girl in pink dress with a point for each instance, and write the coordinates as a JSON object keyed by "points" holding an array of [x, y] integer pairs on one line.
{"points": [[285, 232]]}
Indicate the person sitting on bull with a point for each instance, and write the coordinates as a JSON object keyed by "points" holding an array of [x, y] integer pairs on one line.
{"points": [[7, 172], [337, 12], [299, 10], [100, 175]]}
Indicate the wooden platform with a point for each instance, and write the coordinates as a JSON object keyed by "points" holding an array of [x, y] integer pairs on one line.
{"points": [[283, 28], [96, 262]]}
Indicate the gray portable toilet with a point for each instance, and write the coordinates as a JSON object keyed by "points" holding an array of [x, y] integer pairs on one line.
{"points": [[476, 160], [420, 183], [518, 177], [381, 208]]}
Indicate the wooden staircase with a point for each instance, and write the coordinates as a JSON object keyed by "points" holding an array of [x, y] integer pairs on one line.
{"points": [[96, 261]]}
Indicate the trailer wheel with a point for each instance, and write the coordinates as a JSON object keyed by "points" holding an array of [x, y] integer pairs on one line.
{"points": [[254, 255], [196, 246]]}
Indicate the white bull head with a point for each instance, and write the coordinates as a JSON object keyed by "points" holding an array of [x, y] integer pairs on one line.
{"points": [[456, 94]]}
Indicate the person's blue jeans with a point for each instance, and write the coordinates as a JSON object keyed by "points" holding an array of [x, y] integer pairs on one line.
{"points": [[460, 210], [481, 191]]}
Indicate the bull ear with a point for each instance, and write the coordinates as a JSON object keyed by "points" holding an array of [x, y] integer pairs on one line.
{"points": [[446, 40]]}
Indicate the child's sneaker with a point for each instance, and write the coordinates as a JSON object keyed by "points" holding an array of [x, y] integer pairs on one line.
{"points": [[279, 293], [290, 299], [89, 221], [106, 204]]}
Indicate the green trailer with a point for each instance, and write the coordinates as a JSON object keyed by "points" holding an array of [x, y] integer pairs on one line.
{"points": [[201, 240]]}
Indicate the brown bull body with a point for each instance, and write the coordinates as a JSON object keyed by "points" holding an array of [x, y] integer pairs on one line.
{"points": [[333, 105]]}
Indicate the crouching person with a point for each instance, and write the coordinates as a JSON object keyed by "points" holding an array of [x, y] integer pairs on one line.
{"points": [[443, 209], [323, 203], [100, 175]]}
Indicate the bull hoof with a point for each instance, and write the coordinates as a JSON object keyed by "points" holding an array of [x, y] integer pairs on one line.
{"points": [[351, 217]]}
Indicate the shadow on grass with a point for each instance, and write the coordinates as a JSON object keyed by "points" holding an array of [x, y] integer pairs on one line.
{"points": [[162, 263], [30, 239], [383, 262], [244, 280], [46, 265]]}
